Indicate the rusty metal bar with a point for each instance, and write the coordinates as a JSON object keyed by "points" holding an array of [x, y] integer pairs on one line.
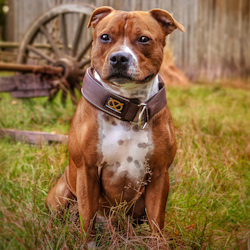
{"points": [[31, 68]]}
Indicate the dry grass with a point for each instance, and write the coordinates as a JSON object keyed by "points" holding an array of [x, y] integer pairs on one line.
{"points": [[236, 83], [209, 203]]}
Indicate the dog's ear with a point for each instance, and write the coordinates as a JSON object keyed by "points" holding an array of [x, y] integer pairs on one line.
{"points": [[98, 15], [165, 19]]}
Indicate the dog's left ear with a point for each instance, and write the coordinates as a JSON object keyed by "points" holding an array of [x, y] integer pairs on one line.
{"points": [[98, 15], [165, 19]]}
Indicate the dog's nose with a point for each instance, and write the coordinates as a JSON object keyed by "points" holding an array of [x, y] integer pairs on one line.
{"points": [[119, 59]]}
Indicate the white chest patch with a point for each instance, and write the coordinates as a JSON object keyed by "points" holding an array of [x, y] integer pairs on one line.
{"points": [[124, 148]]}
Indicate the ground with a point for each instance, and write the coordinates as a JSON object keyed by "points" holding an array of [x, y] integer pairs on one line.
{"points": [[209, 202]]}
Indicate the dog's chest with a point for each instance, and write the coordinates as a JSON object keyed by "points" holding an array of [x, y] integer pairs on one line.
{"points": [[124, 149]]}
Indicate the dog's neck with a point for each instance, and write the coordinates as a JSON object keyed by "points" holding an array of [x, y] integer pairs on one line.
{"points": [[131, 90]]}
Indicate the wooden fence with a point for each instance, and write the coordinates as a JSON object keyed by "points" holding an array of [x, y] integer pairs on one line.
{"points": [[216, 43]]}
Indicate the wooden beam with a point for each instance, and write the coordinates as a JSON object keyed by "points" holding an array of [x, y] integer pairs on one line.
{"points": [[30, 93], [36, 45], [33, 137], [25, 86]]}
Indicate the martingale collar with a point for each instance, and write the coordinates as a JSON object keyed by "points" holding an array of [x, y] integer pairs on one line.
{"points": [[120, 107]]}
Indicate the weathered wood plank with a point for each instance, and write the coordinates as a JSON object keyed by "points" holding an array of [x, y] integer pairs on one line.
{"points": [[29, 93], [7, 84], [33, 137], [23, 82]]}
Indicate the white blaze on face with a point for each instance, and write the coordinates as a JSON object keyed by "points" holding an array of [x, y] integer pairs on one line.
{"points": [[134, 69]]}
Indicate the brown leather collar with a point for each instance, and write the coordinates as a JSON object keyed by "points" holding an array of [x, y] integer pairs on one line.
{"points": [[120, 107]]}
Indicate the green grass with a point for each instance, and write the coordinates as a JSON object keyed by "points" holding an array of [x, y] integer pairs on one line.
{"points": [[209, 202], [35, 114]]}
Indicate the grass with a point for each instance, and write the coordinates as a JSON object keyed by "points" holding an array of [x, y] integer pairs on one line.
{"points": [[209, 202], [35, 114]]}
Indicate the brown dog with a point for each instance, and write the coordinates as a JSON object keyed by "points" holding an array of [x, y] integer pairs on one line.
{"points": [[112, 158]]}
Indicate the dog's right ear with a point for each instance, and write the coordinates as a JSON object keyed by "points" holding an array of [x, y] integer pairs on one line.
{"points": [[98, 15], [166, 20]]}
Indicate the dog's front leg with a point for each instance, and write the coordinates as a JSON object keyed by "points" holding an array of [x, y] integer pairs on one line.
{"points": [[87, 191], [156, 199]]}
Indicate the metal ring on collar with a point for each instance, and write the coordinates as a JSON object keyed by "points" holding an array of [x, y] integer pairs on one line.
{"points": [[141, 123]]}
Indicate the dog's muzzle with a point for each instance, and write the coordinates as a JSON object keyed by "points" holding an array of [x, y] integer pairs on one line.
{"points": [[120, 60]]}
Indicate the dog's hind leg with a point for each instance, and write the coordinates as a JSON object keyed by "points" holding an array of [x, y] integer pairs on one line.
{"points": [[59, 196]]}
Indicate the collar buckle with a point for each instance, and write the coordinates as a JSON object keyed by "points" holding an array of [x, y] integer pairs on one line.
{"points": [[142, 123]]}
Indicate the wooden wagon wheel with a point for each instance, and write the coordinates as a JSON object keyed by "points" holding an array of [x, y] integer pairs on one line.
{"points": [[63, 29]]}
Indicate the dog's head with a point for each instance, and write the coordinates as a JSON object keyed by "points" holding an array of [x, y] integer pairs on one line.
{"points": [[128, 46]]}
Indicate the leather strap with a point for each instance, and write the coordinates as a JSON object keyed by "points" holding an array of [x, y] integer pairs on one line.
{"points": [[122, 108]]}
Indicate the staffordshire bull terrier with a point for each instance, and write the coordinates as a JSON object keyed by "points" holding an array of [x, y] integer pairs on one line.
{"points": [[121, 140]]}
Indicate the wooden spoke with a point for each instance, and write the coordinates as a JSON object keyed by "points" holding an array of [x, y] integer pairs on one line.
{"points": [[78, 34], [78, 87], [50, 40], [84, 50], [73, 96], [39, 53], [84, 62], [64, 97], [82, 72], [64, 33], [62, 84], [52, 94]]}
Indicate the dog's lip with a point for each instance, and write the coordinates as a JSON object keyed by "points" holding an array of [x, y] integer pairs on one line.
{"points": [[148, 78], [121, 78]]}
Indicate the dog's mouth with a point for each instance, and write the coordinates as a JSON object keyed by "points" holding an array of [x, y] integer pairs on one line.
{"points": [[148, 78], [123, 78], [120, 78]]}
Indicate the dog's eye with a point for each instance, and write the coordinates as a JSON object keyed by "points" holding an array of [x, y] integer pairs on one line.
{"points": [[144, 39], [105, 37]]}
